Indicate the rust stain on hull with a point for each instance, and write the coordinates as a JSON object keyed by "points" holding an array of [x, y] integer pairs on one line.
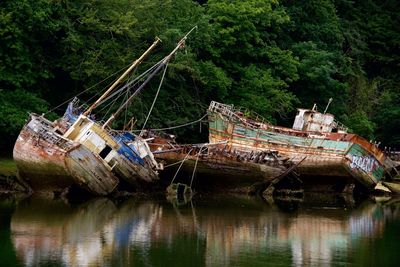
{"points": [[329, 154], [49, 162], [217, 166], [41, 163], [89, 171]]}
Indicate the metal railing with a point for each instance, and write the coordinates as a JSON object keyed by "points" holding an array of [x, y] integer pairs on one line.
{"points": [[239, 113]]}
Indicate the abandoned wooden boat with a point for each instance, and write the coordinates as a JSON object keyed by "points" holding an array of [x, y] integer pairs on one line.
{"points": [[49, 162], [217, 166], [52, 156], [77, 149], [333, 156]]}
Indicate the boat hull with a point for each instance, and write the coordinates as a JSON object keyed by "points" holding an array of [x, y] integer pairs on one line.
{"points": [[335, 157], [215, 168], [40, 163], [126, 155], [50, 163], [135, 174], [89, 172], [211, 176]]}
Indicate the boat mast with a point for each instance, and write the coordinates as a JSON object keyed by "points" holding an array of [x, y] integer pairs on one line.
{"points": [[180, 44], [112, 87]]}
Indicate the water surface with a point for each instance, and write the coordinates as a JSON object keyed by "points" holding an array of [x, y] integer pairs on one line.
{"points": [[209, 231]]}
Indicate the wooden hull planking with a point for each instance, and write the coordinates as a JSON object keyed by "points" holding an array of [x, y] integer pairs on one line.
{"points": [[331, 156], [134, 174], [89, 172], [216, 167], [40, 163], [51, 163]]}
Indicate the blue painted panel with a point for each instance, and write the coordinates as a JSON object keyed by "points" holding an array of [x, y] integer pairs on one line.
{"points": [[128, 151]]}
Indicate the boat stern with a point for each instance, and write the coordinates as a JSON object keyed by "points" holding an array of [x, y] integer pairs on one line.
{"points": [[364, 166]]}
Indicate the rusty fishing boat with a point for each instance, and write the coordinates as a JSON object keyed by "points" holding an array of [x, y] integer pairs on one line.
{"points": [[81, 151], [332, 157], [217, 166]]}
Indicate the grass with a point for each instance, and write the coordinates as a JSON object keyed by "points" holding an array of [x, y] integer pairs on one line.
{"points": [[7, 167]]}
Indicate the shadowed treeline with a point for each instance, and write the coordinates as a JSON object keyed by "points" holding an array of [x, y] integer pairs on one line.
{"points": [[268, 55]]}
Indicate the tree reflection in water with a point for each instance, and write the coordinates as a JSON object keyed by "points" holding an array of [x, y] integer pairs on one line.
{"points": [[217, 231]]}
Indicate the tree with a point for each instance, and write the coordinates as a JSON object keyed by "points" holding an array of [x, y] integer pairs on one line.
{"points": [[314, 35], [243, 45]]}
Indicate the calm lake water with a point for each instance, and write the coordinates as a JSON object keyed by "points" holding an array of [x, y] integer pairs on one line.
{"points": [[209, 231]]}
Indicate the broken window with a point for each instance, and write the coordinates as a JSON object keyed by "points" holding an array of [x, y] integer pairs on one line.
{"points": [[106, 150]]}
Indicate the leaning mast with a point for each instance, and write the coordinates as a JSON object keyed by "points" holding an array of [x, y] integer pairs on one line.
{"points": [[180, 44], [112, 87]]}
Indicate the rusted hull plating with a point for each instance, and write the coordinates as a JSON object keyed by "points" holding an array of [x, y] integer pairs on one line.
{"points": [[218, 167], [333, 155], [40, 163], [50, 163]]}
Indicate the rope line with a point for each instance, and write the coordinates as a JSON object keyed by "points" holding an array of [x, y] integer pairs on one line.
{"points": [[175, 127], [131, 83], [195, 165], [187, 155], [173, 164], [84, 91], [155, 99]]}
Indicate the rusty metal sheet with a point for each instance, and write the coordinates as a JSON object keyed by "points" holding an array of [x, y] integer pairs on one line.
{"points": [[40, 162]]}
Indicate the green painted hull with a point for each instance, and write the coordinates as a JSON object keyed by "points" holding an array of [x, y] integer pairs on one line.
{"points": [[325, 157]]}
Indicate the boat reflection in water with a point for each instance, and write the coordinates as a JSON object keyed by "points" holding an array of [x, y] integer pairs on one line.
{"points": [[229, 231]]}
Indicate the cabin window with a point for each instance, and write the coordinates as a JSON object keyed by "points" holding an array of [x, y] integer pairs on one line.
{"points": [[106, 150]]}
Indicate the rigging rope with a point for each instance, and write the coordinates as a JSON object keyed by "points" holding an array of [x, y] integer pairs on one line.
{"points": [[131, 83], [155, 99], [175, 127], [113, 74], [84, 91], [173, 164]]}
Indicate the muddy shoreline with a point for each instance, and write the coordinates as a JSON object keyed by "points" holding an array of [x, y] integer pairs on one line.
{"points": [[10, 185], [8, 178]]}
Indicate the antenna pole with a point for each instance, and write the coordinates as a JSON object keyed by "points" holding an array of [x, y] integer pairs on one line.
{"points": [[329, 102]]}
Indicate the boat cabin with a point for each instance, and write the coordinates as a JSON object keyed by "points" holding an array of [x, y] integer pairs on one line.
{"points": [[314, 121], [90, 134]]}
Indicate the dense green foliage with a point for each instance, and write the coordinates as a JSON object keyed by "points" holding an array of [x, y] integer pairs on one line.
{"points": [[267, 55]]}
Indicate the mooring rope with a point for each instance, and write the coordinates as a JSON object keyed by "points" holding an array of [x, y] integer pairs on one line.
{"points": [[187, 155], [172, 164], [195, 165]]}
